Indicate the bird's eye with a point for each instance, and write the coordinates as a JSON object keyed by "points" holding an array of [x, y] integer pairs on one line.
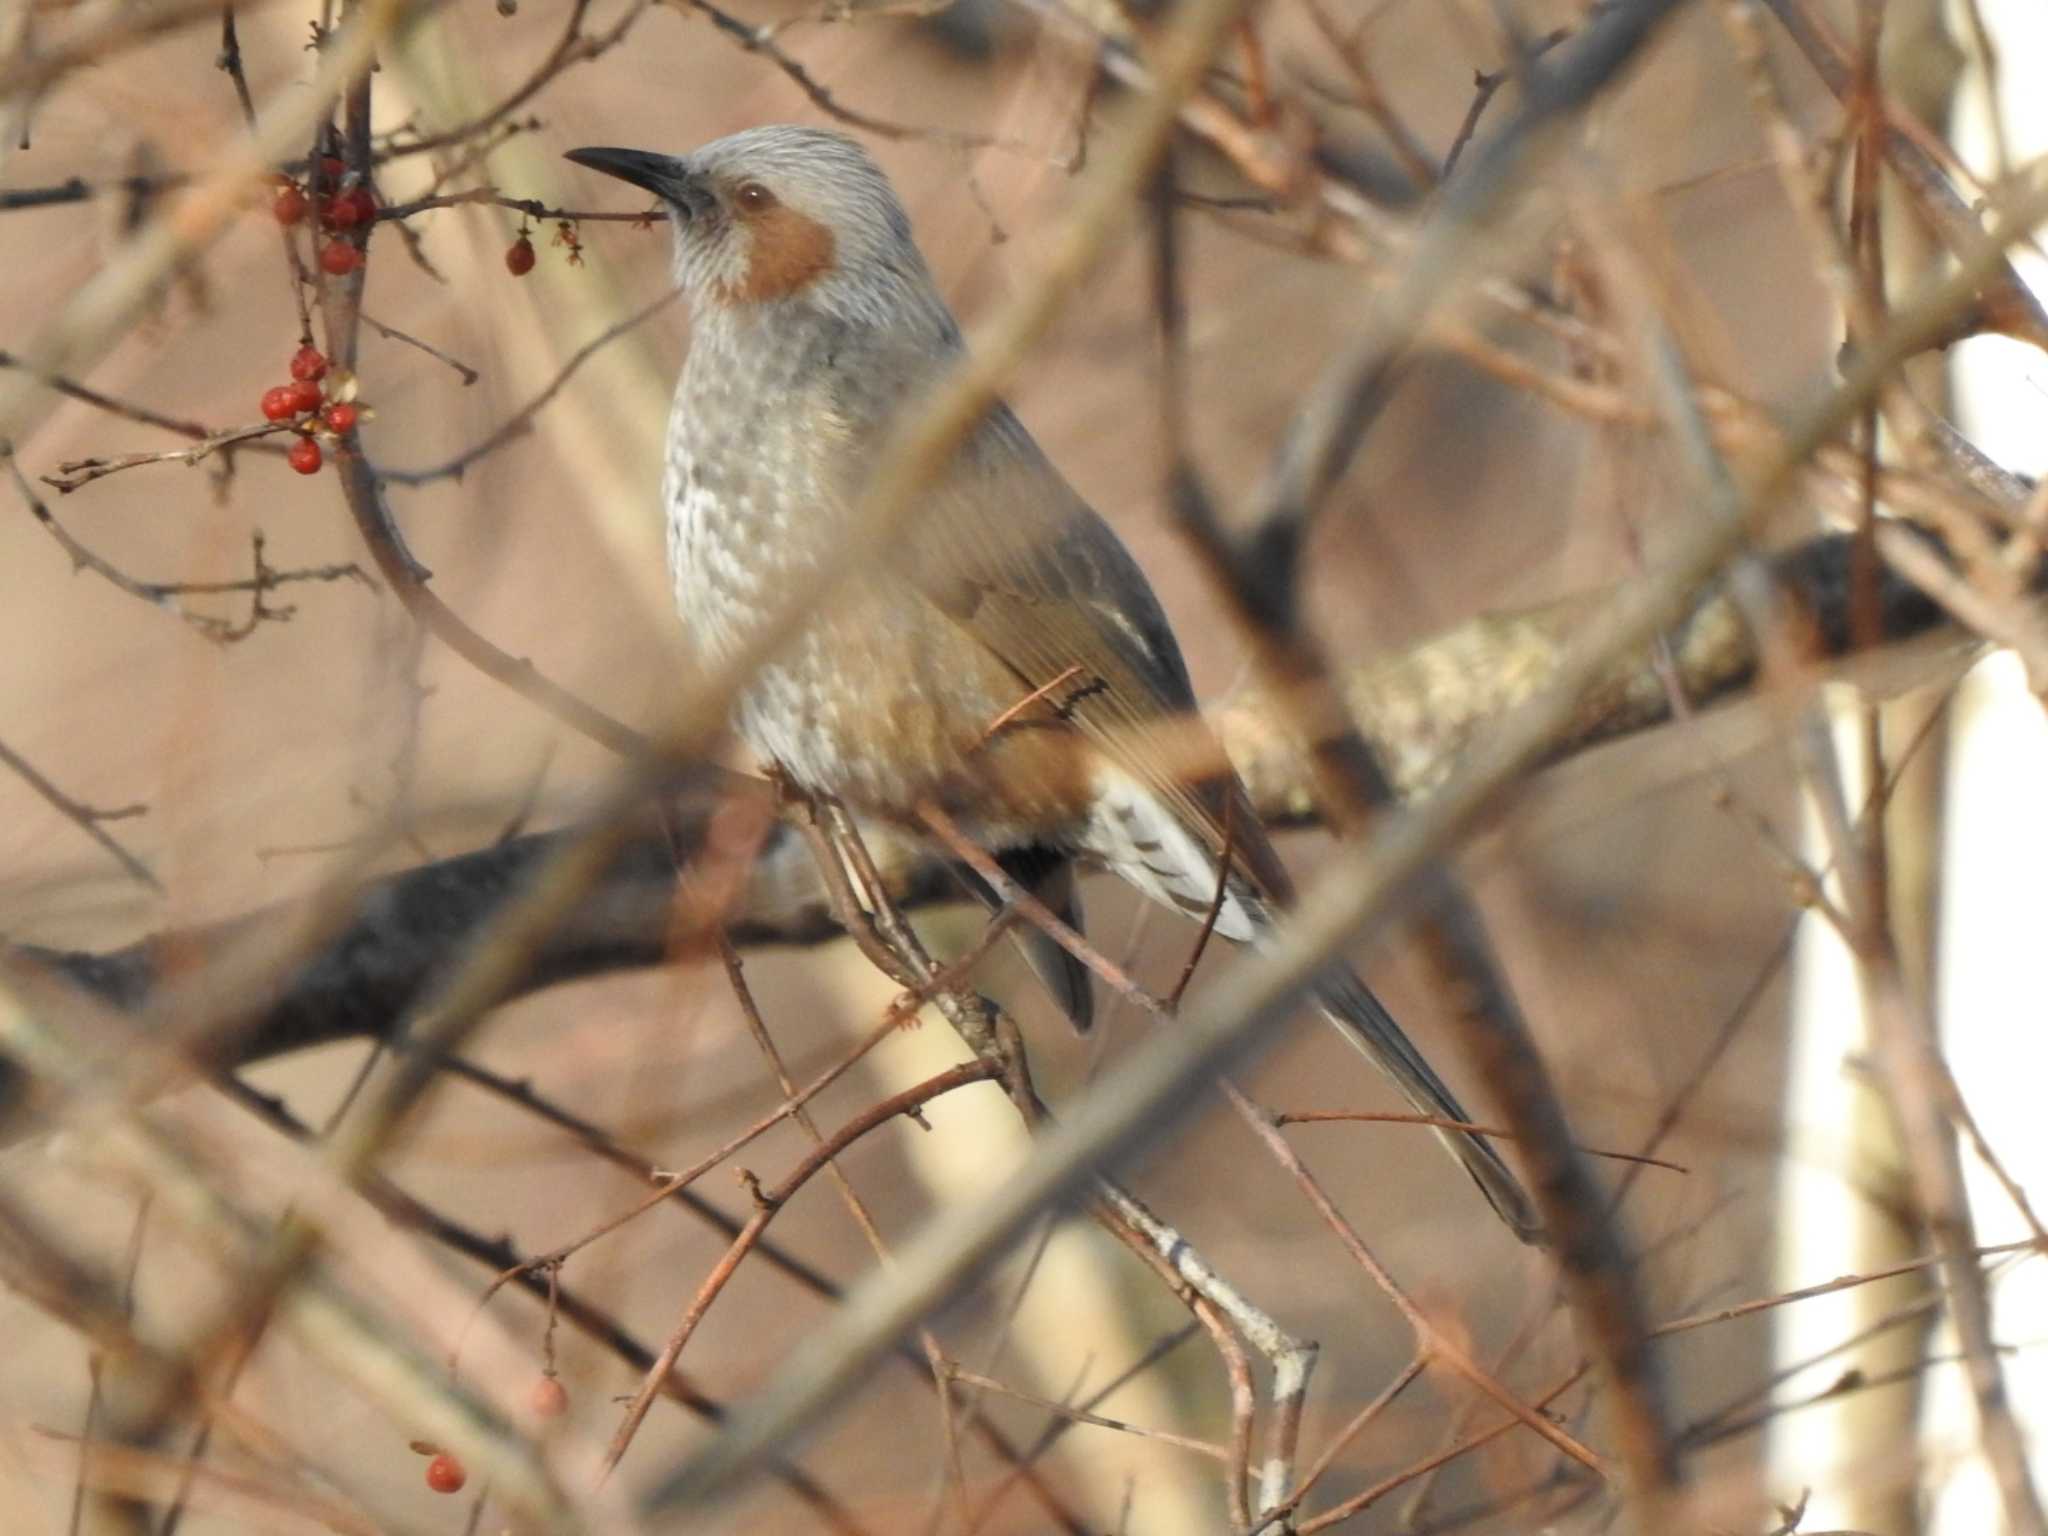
{"points": [[753, 197]]}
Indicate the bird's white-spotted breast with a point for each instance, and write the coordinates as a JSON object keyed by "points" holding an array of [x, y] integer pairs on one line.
{"points": [[872, 699]]}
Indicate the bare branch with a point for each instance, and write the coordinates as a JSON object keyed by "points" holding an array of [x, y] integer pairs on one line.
{"points": [[164, 594], [76, 473], [88, 819], [521, 420]]}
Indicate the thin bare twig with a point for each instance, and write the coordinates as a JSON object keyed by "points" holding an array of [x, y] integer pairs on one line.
{"points": [[572, 47], [88, 819], [761, 40], [1208, 1295], [147, 416], [521, 420], [76, 189], [1353, 1428], [490, 197], [767, 1202], [1429, 1338], [1370, 98], [1075, 1415], [1920, 1088], [1437, 1122], [2004, 302], [1484, 87], [165, 594], [81, 472], [467, 374], [863, 1218]]}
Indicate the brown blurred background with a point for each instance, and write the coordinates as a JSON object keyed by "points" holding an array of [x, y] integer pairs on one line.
{"points": [[1631, 914]]}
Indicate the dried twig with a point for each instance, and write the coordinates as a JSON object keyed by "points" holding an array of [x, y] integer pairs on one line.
{"points": [[574, 46], [767, 1202], [463, 371], [1363, 1117], [1429, 1338], [1484, 87], [761, 40], [521, 420], [147, 416], [165, 594], [91, 820], [75, 473]]}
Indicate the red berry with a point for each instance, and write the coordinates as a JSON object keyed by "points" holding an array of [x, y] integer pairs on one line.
{"points": [[341, 416], [308, 363], [305, 395], [290, 205], [338, 258], [277, 403], [305, 458], [331, 169], [358, 205], [549, 1399], [341, 212], [445, 1474], [519, 259]]}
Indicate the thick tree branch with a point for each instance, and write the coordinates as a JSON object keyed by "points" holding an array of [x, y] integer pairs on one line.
{"points": [[1421, 710]]}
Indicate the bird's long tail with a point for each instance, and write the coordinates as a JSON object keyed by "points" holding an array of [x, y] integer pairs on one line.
{"points": [[1362, 1019], [1173, 856]]}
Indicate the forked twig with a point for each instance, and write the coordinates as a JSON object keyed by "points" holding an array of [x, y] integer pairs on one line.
{"points": [[767, 1202], [88, 819]]}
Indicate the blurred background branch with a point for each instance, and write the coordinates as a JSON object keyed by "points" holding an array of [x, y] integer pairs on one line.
{"points": [[373, 1049]]}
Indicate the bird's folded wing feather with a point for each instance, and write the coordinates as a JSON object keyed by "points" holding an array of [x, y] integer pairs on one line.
{"points": [[1014, 556]]}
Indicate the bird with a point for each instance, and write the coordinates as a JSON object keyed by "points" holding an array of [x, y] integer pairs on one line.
{"points": [[1006, 661]]}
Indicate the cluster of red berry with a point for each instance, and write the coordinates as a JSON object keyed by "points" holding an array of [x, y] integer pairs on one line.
{"points": [[446, 1474], [339, 212], [302, 398]]}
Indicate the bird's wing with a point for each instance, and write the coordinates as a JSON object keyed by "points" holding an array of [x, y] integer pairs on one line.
{"points": [[1020, 562], [1012, 554]]}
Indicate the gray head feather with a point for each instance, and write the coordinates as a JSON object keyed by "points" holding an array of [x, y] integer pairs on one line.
{"points": [[876, 277]]}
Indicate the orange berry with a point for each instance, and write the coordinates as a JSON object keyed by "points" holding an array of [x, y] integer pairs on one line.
{"points": [[549, 1399]]}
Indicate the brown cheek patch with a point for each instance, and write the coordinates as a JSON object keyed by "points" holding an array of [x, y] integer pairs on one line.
{"points": [[790, 252]]}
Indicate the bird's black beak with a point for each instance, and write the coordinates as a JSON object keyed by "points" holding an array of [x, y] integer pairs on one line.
{"points": [[667, 178]]}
